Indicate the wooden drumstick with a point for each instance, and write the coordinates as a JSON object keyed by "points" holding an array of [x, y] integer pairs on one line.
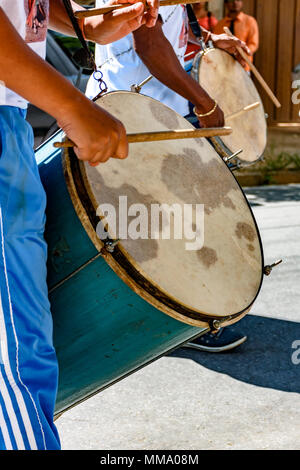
{"points": [[101, 11], [243, 110], [256, 72], [164, 135]]}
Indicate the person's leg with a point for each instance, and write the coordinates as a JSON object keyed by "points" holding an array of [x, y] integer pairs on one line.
{"points": [[28, 365]]}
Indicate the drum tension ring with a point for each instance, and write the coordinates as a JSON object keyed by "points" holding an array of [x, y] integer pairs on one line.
{"points": [[268, 269]]}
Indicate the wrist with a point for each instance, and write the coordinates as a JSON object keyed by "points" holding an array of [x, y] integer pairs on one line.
{"points": [[207, 113], [206, 34], [73, 104], [89, 27], [205, 105], [214, 37], [81, 24]]}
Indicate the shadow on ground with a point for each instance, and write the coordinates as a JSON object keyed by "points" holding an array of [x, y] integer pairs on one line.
{"points": [[268, 194], [265, 359]]}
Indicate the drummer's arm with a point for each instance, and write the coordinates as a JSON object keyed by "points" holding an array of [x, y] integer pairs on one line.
{"points": [[159, 57], [97, 135], [107, 28], [230, 44]]}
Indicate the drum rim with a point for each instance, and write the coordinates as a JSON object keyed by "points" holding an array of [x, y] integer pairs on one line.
{"points": [[217, 142], [121, 261]]}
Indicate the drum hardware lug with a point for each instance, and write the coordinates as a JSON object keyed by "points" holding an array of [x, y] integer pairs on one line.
{"points": [[215, 326], [135, 88], [109, 245], [268, 269], [235, 167], [266, 116], [205, 50], [227, 159]]}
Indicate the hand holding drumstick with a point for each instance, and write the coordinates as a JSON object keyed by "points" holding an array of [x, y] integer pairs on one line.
{"points": [[256, 73]]}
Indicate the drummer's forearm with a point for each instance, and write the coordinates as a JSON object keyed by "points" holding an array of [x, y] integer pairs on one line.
{"points": [[168, 71], [59, 19]]}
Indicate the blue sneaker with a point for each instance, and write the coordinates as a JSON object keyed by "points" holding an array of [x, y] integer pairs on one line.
{"points": [[224, 340]]}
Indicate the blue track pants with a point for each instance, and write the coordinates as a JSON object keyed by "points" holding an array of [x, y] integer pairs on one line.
{"points": [[28, 365]]}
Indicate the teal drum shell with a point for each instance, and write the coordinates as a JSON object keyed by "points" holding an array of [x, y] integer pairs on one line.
{"points": [[103, 330]]}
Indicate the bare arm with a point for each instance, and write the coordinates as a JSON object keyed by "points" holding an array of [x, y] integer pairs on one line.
{"points": [[158, 55], [97, 135], [107, 28]]}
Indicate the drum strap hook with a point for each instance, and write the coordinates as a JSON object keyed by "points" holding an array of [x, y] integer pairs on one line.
{"points": [[84, 57]]}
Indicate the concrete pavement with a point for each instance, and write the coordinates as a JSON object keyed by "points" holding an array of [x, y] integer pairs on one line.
{"points": [[246, 399]]}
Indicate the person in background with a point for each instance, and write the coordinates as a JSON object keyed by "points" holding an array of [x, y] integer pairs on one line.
{"points": [[206, 20], [205, 17], [243, 26]]}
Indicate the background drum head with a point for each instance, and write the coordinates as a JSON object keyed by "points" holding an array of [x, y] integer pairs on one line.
{"points": [[218, 281], [229, 84]]}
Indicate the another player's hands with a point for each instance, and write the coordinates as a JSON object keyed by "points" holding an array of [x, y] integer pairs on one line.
{"points": [[97, 135], [230, 44], [105, 29], [216, 119]]}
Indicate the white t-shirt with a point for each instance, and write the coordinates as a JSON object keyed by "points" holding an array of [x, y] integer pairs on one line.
{"points": [[30, 18], [122, 67]]}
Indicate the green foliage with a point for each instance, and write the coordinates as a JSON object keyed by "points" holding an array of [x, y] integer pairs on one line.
{"points": [[280, 162], [296, 160]]}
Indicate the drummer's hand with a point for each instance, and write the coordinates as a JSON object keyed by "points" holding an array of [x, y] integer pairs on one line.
{"points": [[151, 14], [97, 135], [105, 29], [216, 119], [230, 44]]}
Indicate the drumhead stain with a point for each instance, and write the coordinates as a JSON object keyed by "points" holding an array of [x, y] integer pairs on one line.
{"points": [[146, 249], [207, 256], [208, 183], [194, 283], [164, 115], [245, 230]]}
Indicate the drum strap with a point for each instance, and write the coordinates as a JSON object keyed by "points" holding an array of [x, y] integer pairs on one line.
{"points": [[84, 56], [195, 27]]}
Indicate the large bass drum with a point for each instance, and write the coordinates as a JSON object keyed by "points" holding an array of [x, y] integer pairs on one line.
{"points": [[117, 308], [229, 84]]}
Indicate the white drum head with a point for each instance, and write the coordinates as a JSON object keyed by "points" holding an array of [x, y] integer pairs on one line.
{"points": [[228, 83], [224, 276]]}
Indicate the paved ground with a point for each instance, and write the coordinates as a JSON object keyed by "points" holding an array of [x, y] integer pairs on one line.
{"points": [[247, 399]]}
